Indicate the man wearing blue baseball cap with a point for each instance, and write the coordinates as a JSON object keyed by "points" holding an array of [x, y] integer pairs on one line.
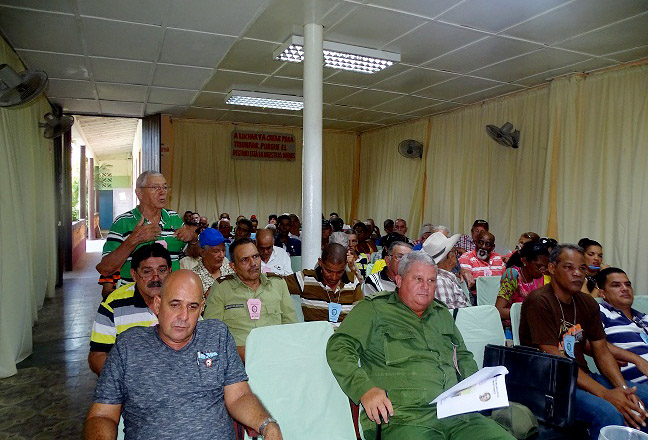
{"points": [[212, 262]]}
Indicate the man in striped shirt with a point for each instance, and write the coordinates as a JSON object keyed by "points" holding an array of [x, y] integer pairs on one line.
{"points": [[626, 329], [129, 306], [327, 293], [147, 223]]}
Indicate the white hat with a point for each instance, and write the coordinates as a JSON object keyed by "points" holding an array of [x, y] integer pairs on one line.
{"points": [[438, 245]]}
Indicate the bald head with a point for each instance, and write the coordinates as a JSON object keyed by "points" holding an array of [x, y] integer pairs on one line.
{"points": [[265, 235], [183, 279], [265, 242], [334, 253]]}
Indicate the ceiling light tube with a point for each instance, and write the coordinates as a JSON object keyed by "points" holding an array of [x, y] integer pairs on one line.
{"points": [[339, 56], [266, 100]]}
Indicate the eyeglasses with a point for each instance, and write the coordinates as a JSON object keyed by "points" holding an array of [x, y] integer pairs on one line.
{"points": [[158, 188]]}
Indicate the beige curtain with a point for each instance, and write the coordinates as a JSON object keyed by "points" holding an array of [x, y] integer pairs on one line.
{"points": [[27, 223], [600, 134], [470, 176], [388, 181], [206, 179]]}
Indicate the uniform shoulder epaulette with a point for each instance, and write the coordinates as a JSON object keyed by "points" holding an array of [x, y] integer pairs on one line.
{"points": [[378, 295], [224, 278]]}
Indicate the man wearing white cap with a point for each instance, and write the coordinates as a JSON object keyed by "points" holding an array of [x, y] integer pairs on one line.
{"points": [[442, 251]]}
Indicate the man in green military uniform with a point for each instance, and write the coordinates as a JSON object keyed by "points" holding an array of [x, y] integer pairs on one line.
{"points": [[249, 299], [149, 222], [410, 351]]}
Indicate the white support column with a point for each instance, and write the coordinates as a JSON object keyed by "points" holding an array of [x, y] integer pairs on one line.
{"points": [[312, 152]]}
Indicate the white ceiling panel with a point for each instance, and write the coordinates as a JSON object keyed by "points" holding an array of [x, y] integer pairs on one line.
{"points": [[372, 27], [333, 93], [424, 8], [436, 108], [338, 111], [336, 76], [490, 50], [613, 38], [496, 15], [291, 70], [176, 111], [140, 11], [224, 81], [58, 65], [286, 17], [84, 106], [283, 86], [210, 99], [630, 54], [179, 97], [194, 48], [407, 104], [412, 80], [69, 88], [368, 116], [251, 56], [121, 71], [576, 18], [115, 39], [205, 113], [368, 98], [432, 40], [333, 124], [217, 16], [121, 92], [396, 119], [539, 61], [488, 93], [66, 6], [183, 77], [42, 31], [584, 66], [456, 87], [116, 108]]}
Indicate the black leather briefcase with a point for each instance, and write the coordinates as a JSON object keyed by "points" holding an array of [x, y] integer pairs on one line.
{"points": [[543, 382]]}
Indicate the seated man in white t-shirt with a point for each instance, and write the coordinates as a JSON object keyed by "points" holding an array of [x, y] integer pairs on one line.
{"points": [[273, 258]]}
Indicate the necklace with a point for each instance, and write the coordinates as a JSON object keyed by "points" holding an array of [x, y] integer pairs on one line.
{"points": [[564, 326]]}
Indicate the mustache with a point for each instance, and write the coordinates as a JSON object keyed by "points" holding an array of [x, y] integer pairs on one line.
{"points": [[482, 254], [154, 284]]}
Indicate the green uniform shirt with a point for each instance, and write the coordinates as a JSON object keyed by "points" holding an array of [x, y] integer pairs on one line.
{"points": [[409, 357], [228, 297], [124, 225]]}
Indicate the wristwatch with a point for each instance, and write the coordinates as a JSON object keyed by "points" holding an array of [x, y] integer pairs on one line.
{"points": [[265, 423]]}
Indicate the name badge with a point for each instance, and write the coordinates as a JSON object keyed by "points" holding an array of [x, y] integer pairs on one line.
{"points": [[254, 308], [569, 345], [334, 311], [644, 337]]}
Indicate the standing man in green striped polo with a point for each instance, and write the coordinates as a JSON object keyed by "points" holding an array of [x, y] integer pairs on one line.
{"points": [[149, 222]]}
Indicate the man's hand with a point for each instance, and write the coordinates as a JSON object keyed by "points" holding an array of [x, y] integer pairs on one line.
{"points": [[272, 432], [143, 233], [376, 404], [628, 404], [186, 233], [468, 277]]}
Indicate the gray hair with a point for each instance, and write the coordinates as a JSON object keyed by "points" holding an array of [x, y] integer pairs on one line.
{"points": [[562, 247], [441, 228], [428, 227], [414, 257], [339, 237], [142, 178], [390, 249]]}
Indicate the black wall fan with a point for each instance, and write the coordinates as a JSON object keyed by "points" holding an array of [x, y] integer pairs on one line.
{"points": [[504, 135], [56, 123], [20, 88]]}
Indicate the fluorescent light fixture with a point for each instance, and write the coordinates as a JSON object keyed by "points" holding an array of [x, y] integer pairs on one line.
{"points": [[339, 56], [266, 100]]}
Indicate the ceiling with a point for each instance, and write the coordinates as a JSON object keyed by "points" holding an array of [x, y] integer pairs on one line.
{"points": [[140, 57], [108, 137]]}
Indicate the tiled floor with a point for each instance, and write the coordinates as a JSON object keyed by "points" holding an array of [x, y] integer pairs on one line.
{"points": [[51, 393]]}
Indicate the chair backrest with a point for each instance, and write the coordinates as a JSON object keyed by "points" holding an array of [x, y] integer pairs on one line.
{"points": [[479, 326], [465, 290], [516, 310], [640, 303], [487, 290], [296, 263], [298, 308], [289, 373]]}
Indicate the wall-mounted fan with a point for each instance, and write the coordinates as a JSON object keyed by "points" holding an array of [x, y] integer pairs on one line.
{"points": [[504, 135], [411, 149], [56, 123], [20, 88]]}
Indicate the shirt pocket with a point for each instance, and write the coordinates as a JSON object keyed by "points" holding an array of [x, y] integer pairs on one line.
{"points": [[399, 345], [272, 312]]}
